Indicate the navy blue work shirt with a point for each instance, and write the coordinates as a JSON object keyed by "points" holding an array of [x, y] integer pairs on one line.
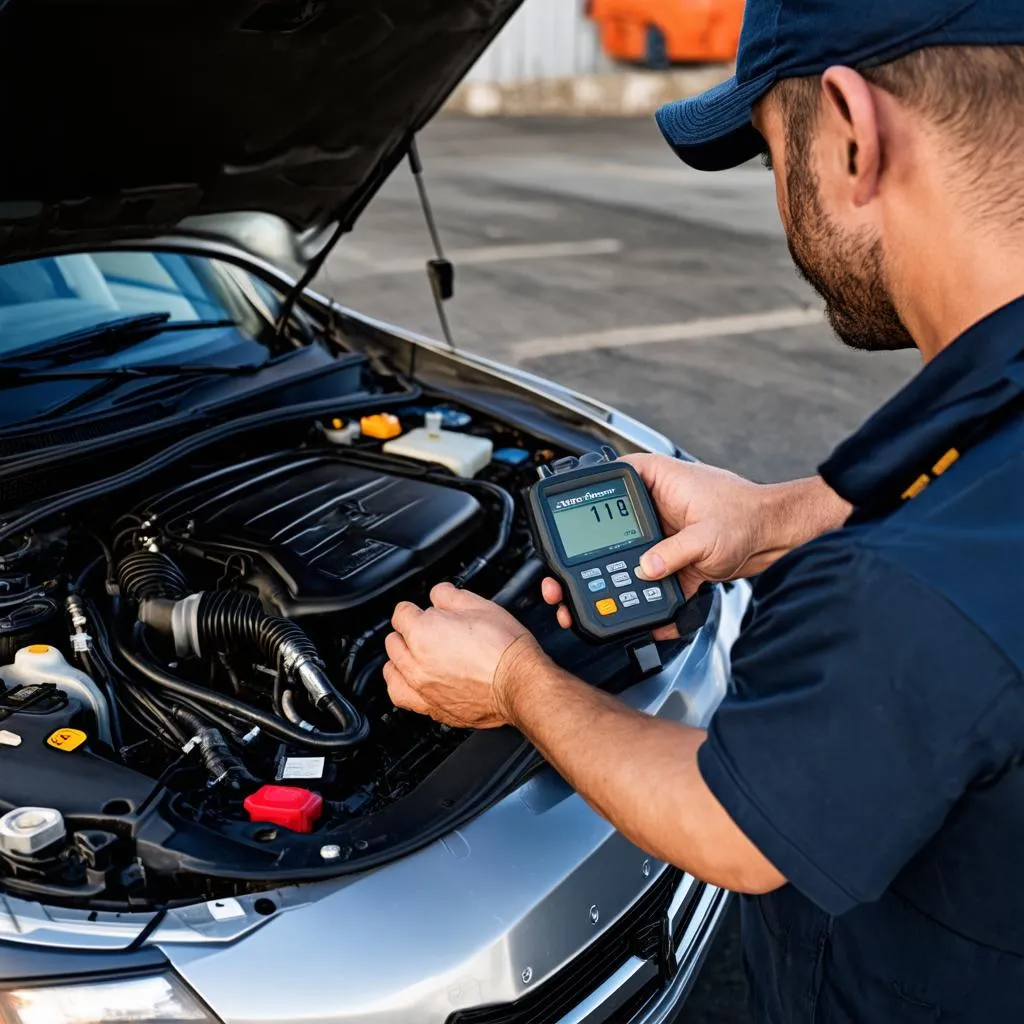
{"points": [[873, 746]]}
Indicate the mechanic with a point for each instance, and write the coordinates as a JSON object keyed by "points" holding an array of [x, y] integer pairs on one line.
{"points": [[863, 782]]}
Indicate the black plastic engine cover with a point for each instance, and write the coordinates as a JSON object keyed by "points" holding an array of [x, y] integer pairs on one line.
{"points": [[80, 783], [320, 535]]}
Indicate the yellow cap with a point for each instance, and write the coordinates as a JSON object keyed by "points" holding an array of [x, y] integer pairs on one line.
{"points": [[66, 739], [38, 649], [383, 426]]}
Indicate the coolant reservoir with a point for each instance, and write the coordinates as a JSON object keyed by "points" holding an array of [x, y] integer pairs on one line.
{"points": [[464, 454], [40, 663]]}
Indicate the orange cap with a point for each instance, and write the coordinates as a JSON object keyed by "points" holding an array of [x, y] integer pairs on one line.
{"points": [[383, 426]]}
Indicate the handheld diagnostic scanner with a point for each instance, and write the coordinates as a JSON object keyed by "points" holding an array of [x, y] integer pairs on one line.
{"points": [[592, 518]]}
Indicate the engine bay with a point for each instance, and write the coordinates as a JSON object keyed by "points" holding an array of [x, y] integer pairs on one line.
{"points": [[191, 698]]}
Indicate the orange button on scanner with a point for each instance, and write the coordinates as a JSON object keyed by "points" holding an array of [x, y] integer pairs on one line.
{"points": [[607, 606]]}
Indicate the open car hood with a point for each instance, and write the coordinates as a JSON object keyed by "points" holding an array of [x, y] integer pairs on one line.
{"points": [[123, 119]]}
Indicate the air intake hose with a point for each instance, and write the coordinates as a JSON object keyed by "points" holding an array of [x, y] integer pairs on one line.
{"points": [[237, 622], [143, 575]]}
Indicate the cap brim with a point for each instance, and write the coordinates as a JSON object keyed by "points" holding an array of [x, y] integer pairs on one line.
{"points": [[713, 131]]}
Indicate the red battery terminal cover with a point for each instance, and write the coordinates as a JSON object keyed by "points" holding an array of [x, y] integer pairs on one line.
{"points": [[287, 806]]}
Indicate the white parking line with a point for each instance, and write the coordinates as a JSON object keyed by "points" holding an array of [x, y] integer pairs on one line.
{"points": [[495, 254], [656, 334]]}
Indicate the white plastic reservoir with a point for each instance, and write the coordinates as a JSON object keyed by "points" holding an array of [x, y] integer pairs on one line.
{"points": [[463, 454], [41, 663]]}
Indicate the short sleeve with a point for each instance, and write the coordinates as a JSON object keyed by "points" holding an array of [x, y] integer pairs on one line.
{"points": [[864, 705]]}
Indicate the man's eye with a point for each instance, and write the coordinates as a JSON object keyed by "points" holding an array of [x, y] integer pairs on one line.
{"points": [[766, 159]]}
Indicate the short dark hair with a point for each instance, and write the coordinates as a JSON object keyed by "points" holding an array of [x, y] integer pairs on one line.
{"points": [[973, 94]]}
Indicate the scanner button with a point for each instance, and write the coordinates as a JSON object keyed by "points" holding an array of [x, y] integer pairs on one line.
{"points": [[589, 574], [596, 586], [616, 567], [622, 579], [629, 599], [654, 593], [607, 607]]}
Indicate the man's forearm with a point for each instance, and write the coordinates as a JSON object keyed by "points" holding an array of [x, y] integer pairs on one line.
{"points": [[638, 772], [794, 513]]}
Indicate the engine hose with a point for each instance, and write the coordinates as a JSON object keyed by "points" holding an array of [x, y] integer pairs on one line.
{"points": [[348, 673], [228, 727], [370, 671], [155, 718], [144, 575], [528, 576], [217, 757], [290, 712], [270, 724], [103, 659], [504, 531], [228, 621]]}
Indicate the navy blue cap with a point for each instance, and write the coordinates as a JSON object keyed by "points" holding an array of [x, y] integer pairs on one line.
{"points": [[794, 38]]}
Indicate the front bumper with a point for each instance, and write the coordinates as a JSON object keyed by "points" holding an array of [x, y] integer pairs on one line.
{"points": [[483, 918]]}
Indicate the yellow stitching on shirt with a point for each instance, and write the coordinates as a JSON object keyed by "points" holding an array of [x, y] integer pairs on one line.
{"points": [[917, 487], [945, 462]]}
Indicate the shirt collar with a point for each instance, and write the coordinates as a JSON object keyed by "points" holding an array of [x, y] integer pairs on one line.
{"points": [[968, 384]]}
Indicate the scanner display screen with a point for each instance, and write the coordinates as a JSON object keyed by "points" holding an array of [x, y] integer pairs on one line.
{"points": [[597, 518]]}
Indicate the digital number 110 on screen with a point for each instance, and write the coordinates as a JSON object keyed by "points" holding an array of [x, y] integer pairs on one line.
{"points": [[621, 505]]}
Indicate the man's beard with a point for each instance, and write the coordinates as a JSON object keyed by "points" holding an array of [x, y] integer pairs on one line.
{"points": [[846, 270]]}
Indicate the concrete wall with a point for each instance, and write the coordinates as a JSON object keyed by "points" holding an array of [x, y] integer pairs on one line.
{"points": [[544, 39], [547, 61]]}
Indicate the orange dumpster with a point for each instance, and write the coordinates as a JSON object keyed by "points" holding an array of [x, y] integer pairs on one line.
{"points": [[658, 33]]}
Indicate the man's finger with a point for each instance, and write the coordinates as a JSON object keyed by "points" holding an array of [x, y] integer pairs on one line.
{"points": [[398, 652], [646, 465], [673, 554], [449, 598], [551, 590], [666, 633], [564, 617], [401, 693], [405, 616]]}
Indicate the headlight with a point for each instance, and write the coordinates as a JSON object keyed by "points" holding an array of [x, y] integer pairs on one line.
{"points": [[152, 999]]}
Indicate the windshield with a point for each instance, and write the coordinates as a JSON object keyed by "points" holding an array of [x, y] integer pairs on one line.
{"points": [[44, 299], [94, 333]]}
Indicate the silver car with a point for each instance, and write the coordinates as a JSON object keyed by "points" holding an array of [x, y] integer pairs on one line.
{"points": [[215, 485]]}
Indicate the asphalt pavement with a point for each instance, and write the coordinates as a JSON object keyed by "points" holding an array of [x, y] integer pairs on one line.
{"points": [[587, 253]]}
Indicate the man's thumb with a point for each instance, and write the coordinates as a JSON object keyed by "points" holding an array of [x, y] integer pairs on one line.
{"points": [[672, 555]]}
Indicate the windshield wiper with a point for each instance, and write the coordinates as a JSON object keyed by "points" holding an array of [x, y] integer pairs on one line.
{"points": [[108, 337], [11, 375]]}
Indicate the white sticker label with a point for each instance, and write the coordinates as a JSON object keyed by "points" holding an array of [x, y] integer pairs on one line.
{"points": [[226, 910], [303, 768]]}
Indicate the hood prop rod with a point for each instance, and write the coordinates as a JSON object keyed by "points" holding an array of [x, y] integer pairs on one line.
{"points": [[440, 270], [312, 269]]}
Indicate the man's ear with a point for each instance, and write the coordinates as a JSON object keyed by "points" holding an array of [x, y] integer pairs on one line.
{"points": [[852, 130]]}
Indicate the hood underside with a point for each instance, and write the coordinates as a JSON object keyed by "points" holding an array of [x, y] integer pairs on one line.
{"points": [[121, 118]]}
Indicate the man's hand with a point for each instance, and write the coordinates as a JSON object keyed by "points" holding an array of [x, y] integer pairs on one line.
{"points": [[468, 663], [451, 661], [719, 526]]}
